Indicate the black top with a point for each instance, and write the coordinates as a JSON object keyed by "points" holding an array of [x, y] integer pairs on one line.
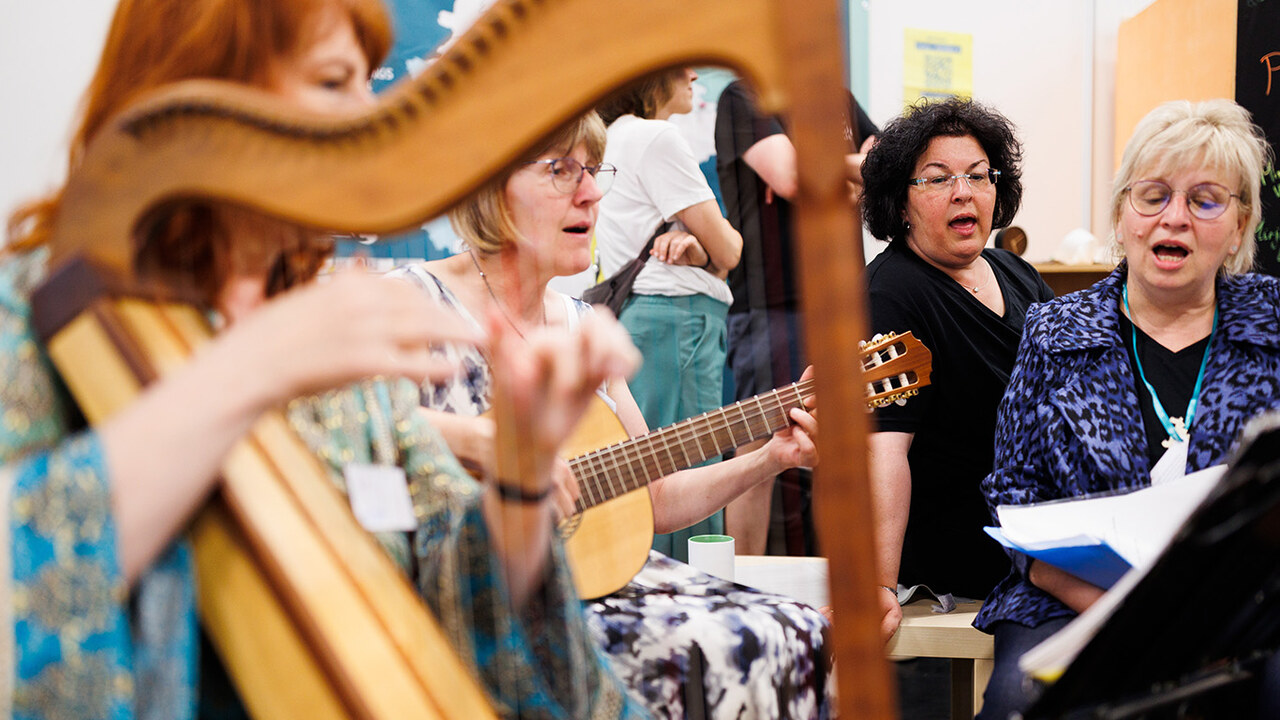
{"points": [[766, 275], [1172, 374], [954, 418]]}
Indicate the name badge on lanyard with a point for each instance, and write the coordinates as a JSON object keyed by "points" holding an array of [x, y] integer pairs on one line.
{"points": [[1173, 463]]}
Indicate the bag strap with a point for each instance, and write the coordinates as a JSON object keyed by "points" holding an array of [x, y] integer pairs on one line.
{"points": [[643, 257]]}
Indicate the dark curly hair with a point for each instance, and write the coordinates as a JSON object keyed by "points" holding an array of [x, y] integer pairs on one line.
{"points": [[892, 161]]}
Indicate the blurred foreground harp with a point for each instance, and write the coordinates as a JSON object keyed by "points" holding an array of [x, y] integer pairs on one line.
{"points": [[503, 86]]}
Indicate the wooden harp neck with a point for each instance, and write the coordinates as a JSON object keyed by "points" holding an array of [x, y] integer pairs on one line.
{"points": [[522, 70]]}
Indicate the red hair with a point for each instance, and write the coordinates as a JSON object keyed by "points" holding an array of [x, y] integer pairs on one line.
{"points": [[156, 42]]}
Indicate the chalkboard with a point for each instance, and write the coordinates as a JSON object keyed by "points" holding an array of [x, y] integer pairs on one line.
{"points": [[1258, 90]]}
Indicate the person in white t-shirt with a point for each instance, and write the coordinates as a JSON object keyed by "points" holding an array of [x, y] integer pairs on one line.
{"points": [[677, 309]]}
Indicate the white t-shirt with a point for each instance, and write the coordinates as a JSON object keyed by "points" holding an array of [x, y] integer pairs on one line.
{"points": [[657, 178]]}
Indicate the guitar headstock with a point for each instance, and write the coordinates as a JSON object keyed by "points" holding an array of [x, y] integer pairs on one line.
{"points": [[894, 367]]}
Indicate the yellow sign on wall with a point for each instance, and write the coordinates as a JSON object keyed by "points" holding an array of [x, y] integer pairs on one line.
{"points": [[936, 64]]}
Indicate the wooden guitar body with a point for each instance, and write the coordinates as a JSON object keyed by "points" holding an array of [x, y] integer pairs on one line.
{"points": [[609, 543], [502, 87]]}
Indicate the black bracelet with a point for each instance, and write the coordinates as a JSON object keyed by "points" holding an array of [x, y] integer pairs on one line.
{"points": [[706, 264], [515, 493]]}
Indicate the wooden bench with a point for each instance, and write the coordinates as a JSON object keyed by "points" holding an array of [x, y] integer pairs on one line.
{"points": [[924, 633]]}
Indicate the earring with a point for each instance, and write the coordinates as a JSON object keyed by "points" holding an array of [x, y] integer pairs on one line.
{"points": [[1235, 248]]}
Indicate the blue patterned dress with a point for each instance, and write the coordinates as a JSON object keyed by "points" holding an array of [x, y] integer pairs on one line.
{"points": [[75, 644]]}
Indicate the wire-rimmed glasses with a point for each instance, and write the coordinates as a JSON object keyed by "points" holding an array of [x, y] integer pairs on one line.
{"points": [[977, 181], [1205, 201], [566, 174]]}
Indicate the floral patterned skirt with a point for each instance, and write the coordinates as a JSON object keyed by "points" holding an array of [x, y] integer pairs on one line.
{"points": [[691, 645]]}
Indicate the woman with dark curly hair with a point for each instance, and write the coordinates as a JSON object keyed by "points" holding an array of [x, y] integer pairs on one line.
{"points": [[937, 182]]}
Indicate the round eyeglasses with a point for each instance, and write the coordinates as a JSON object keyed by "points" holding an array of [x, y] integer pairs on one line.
{"points": [[977, 181], [566, 174], [1205, 201]]}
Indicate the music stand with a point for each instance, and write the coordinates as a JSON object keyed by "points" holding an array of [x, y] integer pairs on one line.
{"points": [[1206, 616]]}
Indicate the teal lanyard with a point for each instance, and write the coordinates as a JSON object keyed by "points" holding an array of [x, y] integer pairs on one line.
{"points": [[1177, 434]]}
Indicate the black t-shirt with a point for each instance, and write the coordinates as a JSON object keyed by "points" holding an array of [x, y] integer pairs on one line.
{"points": [[766, 275], [1172, 374], [954, 418]]}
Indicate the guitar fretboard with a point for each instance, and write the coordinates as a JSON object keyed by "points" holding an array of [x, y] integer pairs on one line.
{"points": [[631, 464]]}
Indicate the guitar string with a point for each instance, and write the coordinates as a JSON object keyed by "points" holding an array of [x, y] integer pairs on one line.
{"points": [[643, 462], [692, 431], [685, 432]]}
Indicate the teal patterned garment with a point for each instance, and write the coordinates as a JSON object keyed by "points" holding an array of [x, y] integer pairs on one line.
{"points": [[70, 645], [539, 663], [76, 645]]}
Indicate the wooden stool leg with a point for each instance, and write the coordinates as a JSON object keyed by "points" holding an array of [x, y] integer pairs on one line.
{"points": [[962, 700], [981, 676]]}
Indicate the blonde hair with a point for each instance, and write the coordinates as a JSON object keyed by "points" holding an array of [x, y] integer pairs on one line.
{"points": [[1216, 134], [484, 221]]}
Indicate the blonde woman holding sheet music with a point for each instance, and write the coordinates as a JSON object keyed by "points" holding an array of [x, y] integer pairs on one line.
{"points": [[1156, 367]]}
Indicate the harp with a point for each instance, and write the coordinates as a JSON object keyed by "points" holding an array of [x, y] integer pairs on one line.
{"points": [[211, 141]]}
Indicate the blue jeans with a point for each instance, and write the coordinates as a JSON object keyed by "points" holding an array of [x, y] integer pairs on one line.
{"points": [[1008, 691]]}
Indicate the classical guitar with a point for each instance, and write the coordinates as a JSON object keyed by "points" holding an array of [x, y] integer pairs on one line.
{"points": [[608, 540]]}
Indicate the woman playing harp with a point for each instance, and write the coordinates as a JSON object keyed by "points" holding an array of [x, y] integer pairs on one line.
{"points": [[96, 588]]}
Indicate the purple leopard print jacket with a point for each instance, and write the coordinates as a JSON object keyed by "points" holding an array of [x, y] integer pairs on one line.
{"points": [[1070, 423]]}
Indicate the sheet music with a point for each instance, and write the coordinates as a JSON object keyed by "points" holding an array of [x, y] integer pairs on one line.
{"points": [[1137, 525]]}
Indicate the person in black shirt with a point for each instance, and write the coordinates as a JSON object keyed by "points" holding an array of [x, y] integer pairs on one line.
{"points": [[937, 182], [756, 164]]}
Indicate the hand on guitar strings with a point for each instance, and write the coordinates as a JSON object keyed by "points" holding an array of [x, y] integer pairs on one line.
{"points": [[794, 445], [566, 492]]}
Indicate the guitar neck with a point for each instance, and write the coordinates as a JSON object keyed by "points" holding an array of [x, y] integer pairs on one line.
{"points": [[618, 469]]}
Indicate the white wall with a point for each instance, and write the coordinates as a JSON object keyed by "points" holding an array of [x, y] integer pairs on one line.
{"points": [[1031, 61], [48, 49], [1049, 66]]}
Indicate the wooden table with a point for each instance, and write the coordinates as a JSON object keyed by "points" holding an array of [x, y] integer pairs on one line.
{"points": [[1069, 278], [924, 633]]}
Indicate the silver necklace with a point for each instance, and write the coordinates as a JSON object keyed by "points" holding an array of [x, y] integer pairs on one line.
{"points": [[502, 308], [976, 289]]}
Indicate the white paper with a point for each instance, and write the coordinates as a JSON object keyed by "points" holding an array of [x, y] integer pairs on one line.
{"points": [[379, 497], [1137, 525]]}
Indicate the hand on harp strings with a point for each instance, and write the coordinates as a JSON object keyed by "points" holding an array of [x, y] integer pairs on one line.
{"points": [[542, 384]]}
